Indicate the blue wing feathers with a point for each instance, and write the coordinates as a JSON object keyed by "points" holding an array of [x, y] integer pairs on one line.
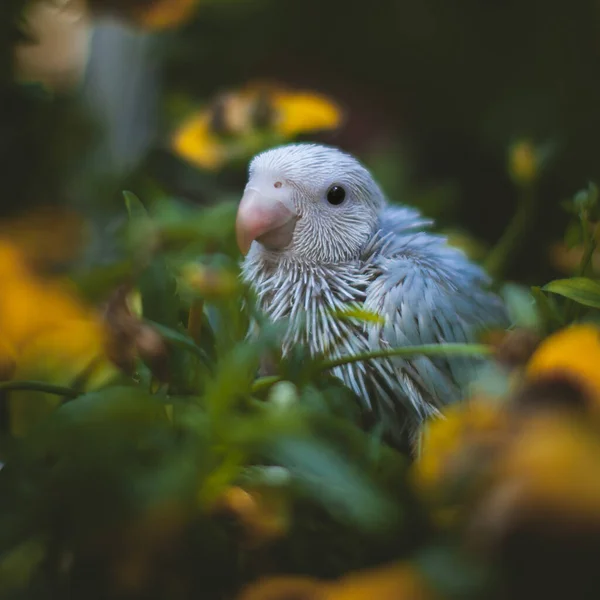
{"points": [[427, 292]]}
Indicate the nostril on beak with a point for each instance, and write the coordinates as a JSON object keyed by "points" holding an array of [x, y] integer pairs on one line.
{"points": [[278, 184]]}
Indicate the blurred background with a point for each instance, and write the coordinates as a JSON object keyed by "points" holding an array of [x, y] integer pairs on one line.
{"points": [[165, 478], [433, 95]]}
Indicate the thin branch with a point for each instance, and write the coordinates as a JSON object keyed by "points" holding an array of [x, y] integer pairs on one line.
{"points": [[407, 351], [507, 247]]}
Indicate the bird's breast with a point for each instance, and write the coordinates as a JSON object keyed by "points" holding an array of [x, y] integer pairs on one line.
{"points": [[311, 299]]}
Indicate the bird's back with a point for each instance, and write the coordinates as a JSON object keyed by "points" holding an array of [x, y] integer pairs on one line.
{"points": [[427, 292]]}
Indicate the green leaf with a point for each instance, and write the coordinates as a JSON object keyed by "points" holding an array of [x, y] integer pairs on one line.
{"points": [[142, 232], [137, 211], [97, 283], [181, 340], [579, 289], [112, 405], [17, 567], [340, 486], [355, 313], [158, 290]]}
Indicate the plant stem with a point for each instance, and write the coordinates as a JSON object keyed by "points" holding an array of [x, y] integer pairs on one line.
{"points": [[264, 383], [39, 386], [406, 351], [572, 309], [503, 252], [589, 246]]}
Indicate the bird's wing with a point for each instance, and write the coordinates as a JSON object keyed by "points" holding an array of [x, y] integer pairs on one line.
{"points": [[427, 293]]}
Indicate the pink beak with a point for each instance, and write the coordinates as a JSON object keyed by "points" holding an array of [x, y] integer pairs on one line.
{"points": [[268, 219]]}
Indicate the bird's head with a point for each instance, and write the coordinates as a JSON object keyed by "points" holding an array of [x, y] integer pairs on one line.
{"points": [[310, 202]]}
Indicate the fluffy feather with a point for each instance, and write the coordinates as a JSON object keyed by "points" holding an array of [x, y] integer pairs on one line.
{"points": [[381, 257]]}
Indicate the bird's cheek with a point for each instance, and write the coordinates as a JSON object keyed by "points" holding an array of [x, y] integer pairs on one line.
{"points": [[265, 219]]}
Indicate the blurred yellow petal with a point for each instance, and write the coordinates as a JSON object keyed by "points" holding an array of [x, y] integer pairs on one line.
{"points": [[523, 162], [242, 122], [573, 352], [447, 441], [395, 582], [263, 514], [556, 463], [164, 14], [47, 333], [303, 112], [195, 142], [543, 492], [69, 348]]}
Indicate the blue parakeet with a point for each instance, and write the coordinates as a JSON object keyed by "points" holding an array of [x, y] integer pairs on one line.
{"points": [[320, 237]]}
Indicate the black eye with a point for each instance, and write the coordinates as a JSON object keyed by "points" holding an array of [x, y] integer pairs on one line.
{"points": [[336, 195]]}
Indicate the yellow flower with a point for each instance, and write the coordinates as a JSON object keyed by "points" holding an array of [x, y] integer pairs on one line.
{"points": [[523, 162], [399, 581], [447, 442], [556, 464], [573, 352], [304, 111], [544, 491], [263, 514], [46, 333], [240, 123], [196, 143], [541, 508]]}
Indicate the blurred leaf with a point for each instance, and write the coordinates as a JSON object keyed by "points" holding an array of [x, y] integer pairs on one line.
{"points": [[451, 572], [18, 565], [341, 487], [114, 404], [181, 340], [521, 306], [547, 308], [356, 312], [96, 283], [579, 289]]}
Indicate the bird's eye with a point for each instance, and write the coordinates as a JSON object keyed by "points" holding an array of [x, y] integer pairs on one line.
{"points": [[336, 195]]}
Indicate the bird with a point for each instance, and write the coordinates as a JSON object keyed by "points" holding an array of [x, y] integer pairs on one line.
{"points": [[319, 237]]}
